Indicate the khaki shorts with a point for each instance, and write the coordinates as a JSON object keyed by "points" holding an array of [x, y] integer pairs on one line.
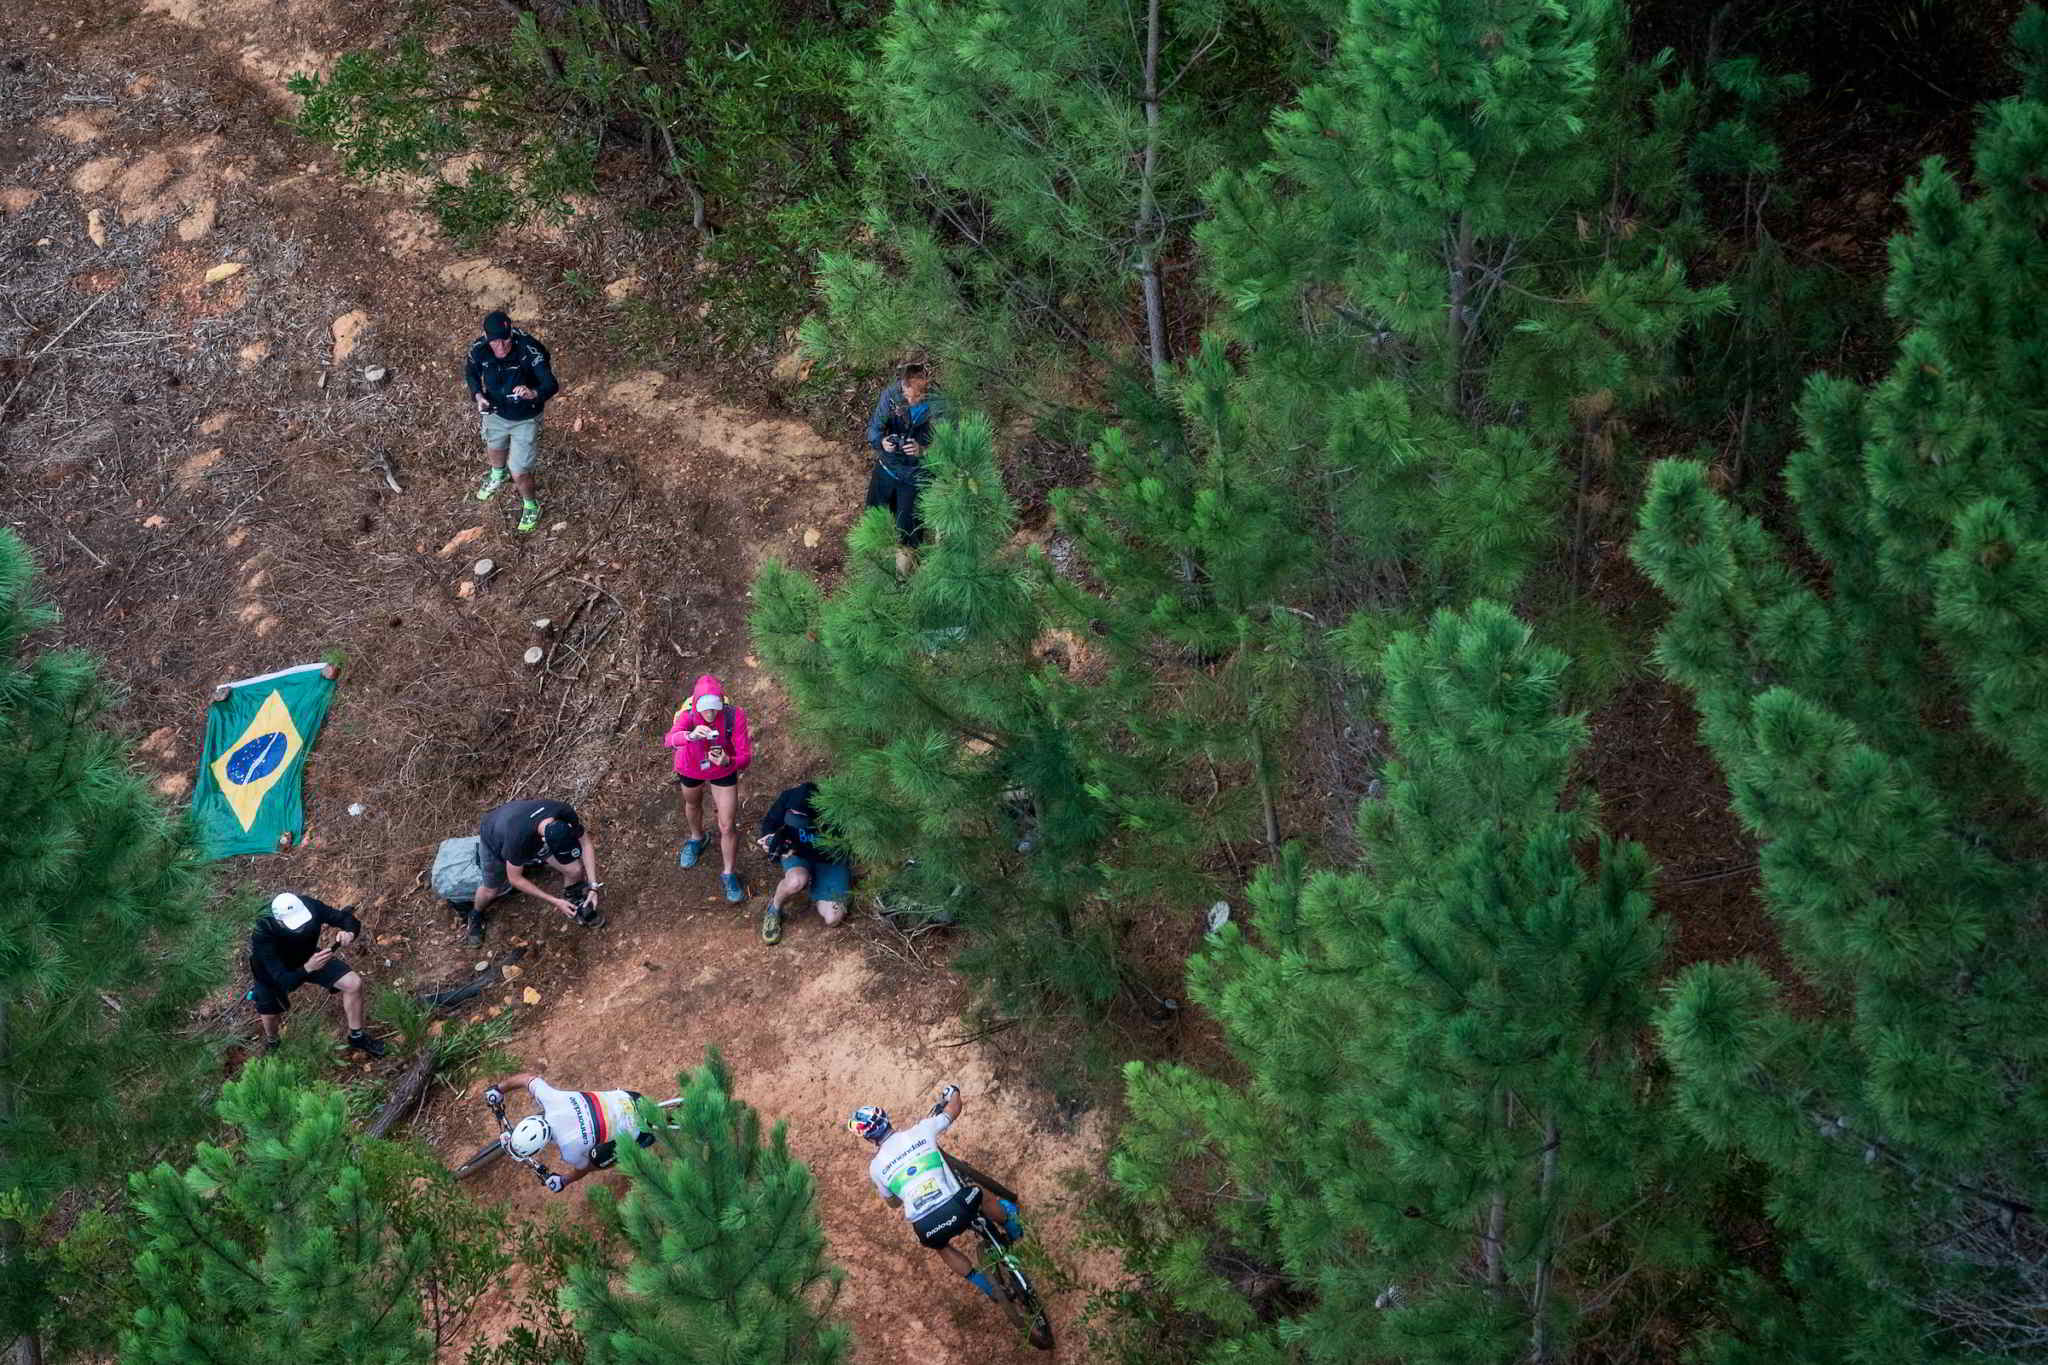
{"points": [[519, 438]]}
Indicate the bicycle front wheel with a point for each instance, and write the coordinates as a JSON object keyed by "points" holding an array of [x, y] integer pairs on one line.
{"points": [[484, 1158], [1021, 1305]]}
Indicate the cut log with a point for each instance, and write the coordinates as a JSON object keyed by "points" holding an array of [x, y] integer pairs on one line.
{"points": [[405, 1095]]}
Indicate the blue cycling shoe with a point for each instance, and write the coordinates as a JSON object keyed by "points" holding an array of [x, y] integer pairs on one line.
{"points": [[1011, 1223], [692, 851], [734, 892]]}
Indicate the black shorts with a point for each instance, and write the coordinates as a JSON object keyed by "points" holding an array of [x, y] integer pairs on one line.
{"points": [[729, 780], [494, 867], [270, 1000], [949, 1219]]}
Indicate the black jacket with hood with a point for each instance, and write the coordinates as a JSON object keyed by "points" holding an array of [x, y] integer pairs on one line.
{"points": [[493, 378], [277, 955], [795, 824]]}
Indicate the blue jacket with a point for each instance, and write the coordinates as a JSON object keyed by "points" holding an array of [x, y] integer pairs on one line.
{"points": [[494, 379], [895, 415]]}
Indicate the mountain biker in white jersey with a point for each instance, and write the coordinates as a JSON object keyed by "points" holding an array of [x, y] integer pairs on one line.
{"points": [[584, 1125], [911, 1173]]}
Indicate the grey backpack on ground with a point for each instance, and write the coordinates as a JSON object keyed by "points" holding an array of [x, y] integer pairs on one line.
{"points": [[458, 871]]}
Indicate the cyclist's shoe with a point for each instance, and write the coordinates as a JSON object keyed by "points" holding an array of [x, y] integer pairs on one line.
{"points": [[692, 850], [734, 892], [771, 926], [529, 515], [981, 1282], [1012, 1226], [493, 481], [475, 933], [365, 1044], [271, 1045]]}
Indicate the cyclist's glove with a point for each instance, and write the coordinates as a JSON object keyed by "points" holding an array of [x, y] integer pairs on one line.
{"points": [[555, 1184], [494, 1096]]}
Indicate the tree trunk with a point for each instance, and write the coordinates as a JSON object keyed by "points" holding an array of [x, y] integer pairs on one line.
{"points": [[28, 1347], [1496, 1230], [1457, 327], [1539, 1329], [405, 1095], [1265, 793], [554, 58], [1497, 1219], [1148, 206]]}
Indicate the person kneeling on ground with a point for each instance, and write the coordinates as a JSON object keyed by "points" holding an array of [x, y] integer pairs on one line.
{"points": [[285, 953], [710, 740], [586, 1126], [522, 835], [792, 832]]}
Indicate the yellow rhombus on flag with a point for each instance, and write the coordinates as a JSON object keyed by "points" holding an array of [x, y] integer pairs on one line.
{"points": [[248, 795]]}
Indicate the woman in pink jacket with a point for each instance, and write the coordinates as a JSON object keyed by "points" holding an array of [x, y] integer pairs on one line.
{"points": [[710, 740]]}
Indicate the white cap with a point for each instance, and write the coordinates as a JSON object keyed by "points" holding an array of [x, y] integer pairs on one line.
{"points": [[290, 911], [711, 701]]}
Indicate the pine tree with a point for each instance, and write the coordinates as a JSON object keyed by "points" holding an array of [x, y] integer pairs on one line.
{"points": [[1447, 276], [1033, 161], [962, 774], [105, 945], [1445, 1128], [1192, 552], [728, 1263], [275, 1246], [1883, 736]]}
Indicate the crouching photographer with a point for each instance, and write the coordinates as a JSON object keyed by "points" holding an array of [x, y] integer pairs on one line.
{"points": [[793, 834]]}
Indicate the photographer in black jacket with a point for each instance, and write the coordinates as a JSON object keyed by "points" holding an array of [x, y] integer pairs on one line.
{"points": [[793, 834], [285, 953], [511, 378]]}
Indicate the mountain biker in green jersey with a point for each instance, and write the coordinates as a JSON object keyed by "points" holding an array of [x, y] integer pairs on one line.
{"points": [[911, 1173]]}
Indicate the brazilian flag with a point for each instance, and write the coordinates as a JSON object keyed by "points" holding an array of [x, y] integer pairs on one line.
{"points": [[247, 797]]}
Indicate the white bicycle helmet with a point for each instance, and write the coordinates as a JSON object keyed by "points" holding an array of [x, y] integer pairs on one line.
{"points": [[529, 1135]]}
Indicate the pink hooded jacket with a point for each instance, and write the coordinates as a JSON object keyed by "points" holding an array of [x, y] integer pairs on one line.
{"points": [[726, 752]]}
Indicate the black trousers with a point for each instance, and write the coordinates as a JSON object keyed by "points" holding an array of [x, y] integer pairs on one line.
{"points": [[897, 493]]}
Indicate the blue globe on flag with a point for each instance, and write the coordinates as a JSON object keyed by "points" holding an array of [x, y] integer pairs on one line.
{"points": [[257, 758]]}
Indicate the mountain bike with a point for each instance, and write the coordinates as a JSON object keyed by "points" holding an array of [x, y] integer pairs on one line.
{"points": [[999, 1263], [501, 1146]]}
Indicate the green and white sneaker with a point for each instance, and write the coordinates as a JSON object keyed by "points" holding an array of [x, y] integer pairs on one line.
{"points": [[529, 515], [771, 926], [493, 481]]}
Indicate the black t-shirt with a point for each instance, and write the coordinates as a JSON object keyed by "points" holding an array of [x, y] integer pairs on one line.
{"points": [[512, 833]]}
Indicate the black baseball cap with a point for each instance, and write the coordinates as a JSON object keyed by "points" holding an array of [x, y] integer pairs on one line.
{"points": [[497, 326], [562, 836]]}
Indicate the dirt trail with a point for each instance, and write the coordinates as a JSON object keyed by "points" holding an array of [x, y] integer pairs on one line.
{"points": [[194, 467]]}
